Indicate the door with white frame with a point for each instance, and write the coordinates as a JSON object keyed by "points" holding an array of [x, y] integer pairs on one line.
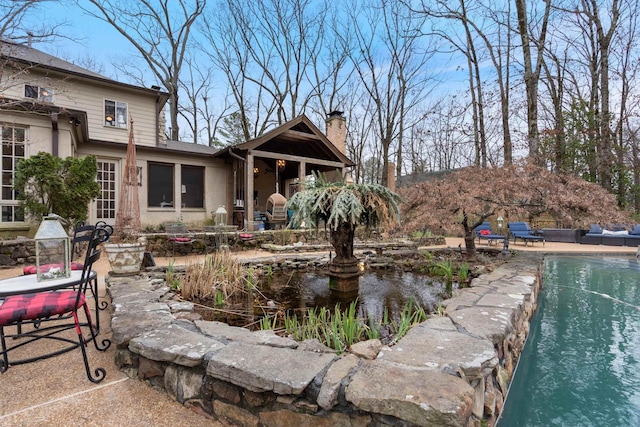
{"points": [[105, 204]]}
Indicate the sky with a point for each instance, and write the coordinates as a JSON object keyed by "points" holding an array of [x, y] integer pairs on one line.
{"points": [[85, 37]]}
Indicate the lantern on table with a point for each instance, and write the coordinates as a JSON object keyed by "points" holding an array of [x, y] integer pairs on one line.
{"points": [[52, 250], [221, 216]]}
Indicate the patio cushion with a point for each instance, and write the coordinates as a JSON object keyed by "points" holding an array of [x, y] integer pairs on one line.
{"points": [[595, 229], [636, 230], [181, 239], [31, 269], [39, 305]]}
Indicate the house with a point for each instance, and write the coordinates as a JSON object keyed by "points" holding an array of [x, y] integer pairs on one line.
{"points": [[48, 104]]}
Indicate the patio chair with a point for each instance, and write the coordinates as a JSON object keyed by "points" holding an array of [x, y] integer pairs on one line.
{"points": [[179, 235], [51, 309], [82, 233], [484, 231], [522, 231], [276, 210]]}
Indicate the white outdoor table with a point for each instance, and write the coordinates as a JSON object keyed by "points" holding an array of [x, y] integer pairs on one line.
{"points": [[28, 284]]}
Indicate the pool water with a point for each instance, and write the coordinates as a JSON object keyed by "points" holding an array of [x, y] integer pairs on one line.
{"points": [[581, 363]]}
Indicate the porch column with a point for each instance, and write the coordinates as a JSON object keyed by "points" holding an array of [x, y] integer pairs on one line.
{"points": [[248, 195], [302, 168]]}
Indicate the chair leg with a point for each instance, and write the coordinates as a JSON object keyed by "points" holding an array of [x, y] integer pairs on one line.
{"points": [[95, 330], [4, 363], [99, 373]]}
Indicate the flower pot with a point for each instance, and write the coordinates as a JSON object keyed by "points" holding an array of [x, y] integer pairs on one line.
{"points": [[125, 258]]}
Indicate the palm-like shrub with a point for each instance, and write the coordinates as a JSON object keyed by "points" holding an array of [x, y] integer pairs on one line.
{"points": [[342, 207]]}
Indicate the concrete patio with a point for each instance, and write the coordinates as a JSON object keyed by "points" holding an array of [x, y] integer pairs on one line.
{"points": [[57, 392]]}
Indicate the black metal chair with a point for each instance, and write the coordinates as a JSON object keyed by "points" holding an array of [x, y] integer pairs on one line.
{"points": [[82, 233], [52, 309], [179, 235]]}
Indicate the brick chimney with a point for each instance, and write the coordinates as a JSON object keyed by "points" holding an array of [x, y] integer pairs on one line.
{"points": [[337, 130], [391, 176]]}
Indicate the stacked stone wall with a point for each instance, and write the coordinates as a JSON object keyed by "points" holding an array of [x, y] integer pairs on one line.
{"points": [[452, 370], [17, 252]]}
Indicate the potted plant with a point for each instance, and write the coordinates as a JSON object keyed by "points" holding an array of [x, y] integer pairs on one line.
{"points": [[125, 249]]}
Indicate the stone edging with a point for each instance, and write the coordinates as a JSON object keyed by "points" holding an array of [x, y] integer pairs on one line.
{"points": [[448, 371]]}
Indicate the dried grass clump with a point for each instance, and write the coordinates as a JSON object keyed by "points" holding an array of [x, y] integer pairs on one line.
{"points": [[219, 276]]}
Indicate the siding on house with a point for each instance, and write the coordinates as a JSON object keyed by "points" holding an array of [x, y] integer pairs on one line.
{"points": [[89, 96], [215, 175], [82, 93]]}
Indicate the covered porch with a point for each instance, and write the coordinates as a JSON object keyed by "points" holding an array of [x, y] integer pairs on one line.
{"points": [[277, 163]]}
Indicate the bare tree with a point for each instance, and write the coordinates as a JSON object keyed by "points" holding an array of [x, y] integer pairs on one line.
{"points": [[390, 62], [160, 31], [464, 43], [591, 8], [15, 26], [530, 41], [275, 56]]}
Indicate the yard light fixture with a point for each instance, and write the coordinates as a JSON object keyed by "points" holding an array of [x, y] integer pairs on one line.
{"points": [[500, 221], [505, 246], [52, 250], [221, 216]]}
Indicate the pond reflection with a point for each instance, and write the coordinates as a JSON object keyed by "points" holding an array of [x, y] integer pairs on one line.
{"points": [[378, 290]]}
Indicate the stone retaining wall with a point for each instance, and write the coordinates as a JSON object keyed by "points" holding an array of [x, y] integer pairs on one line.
{"points": [[22, 251], [16, 252], [452, 370]]}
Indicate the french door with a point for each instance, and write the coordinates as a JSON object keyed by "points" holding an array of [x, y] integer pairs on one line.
{"points": [[105, 205]]}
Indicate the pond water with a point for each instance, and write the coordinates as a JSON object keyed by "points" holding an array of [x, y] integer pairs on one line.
{"points": [[581, 363], [294, 292], [378, 290]]}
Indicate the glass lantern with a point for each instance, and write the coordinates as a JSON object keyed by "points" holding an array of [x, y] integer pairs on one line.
{"points": [[221, 216], [52, 250]]}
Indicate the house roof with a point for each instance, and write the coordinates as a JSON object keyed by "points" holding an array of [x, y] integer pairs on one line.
{"points": [[297, 137], [34, 57]]}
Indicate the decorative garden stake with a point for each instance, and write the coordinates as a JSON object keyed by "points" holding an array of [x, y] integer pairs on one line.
{"points": [[125, 249]]}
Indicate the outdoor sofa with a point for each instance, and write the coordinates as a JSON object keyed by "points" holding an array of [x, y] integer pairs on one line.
{"points": [[612, 235]]}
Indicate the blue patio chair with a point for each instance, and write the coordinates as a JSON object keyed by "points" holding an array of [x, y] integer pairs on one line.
{"points": [[522, 231], [484, 231]]}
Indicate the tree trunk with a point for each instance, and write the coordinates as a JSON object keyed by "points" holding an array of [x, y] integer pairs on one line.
{"points": [[342, 242], [345, 264], [470, 243]]}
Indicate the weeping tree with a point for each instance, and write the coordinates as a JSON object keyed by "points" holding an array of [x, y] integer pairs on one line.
{"points": [[461, 200], [47, 184], [343, 207]]}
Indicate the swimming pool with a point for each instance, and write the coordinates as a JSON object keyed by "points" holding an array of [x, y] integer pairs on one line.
{"points": [[581, 363]]}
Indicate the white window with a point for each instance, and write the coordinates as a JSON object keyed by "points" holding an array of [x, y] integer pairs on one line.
{"points": [[40, 93], [115, 114], [13, 149]]}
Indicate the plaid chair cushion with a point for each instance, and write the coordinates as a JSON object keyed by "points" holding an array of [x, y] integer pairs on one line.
{"points": [[40, 305]]}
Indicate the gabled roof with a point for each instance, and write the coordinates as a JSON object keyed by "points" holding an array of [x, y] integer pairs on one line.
{"points": [[298, 137], [36, 58]]}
